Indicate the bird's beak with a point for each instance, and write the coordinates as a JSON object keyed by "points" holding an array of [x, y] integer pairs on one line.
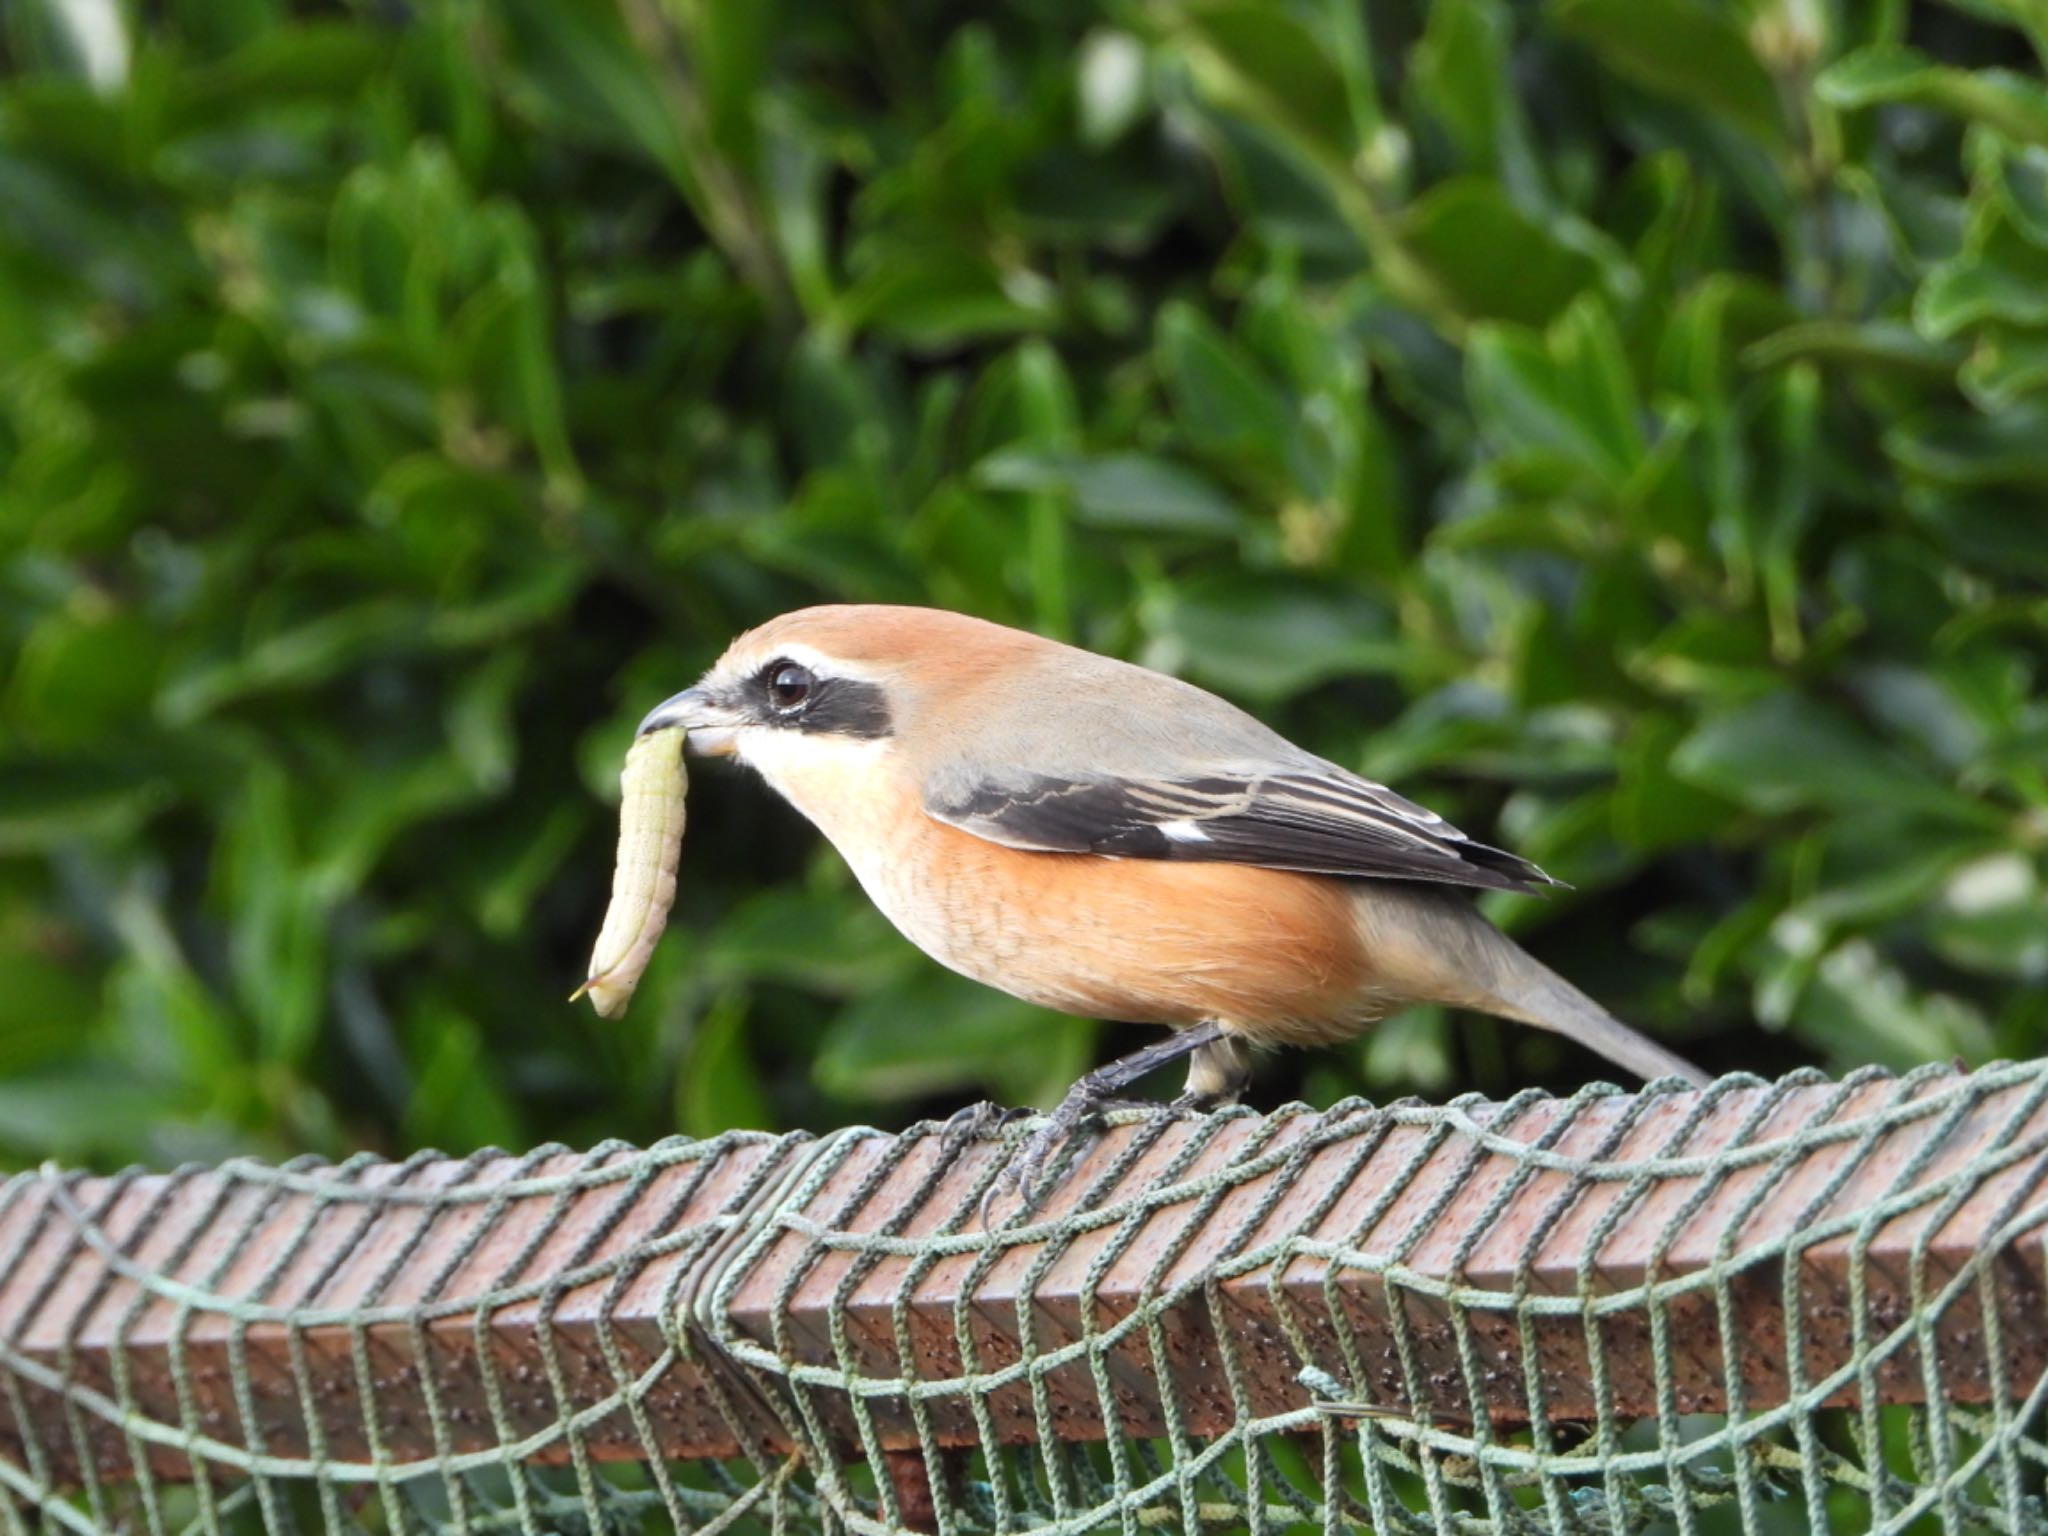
{"points": [[709, 721]]}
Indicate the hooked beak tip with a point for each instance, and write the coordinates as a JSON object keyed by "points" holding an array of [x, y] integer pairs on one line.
{"points": [[685, 709], [709, 724]]}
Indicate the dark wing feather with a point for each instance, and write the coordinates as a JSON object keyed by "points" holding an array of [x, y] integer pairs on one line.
{"points": [[1317, 823]]}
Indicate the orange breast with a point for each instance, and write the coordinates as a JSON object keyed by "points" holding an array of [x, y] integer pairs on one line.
{"points": [[1136, 940], [1276, 956]]}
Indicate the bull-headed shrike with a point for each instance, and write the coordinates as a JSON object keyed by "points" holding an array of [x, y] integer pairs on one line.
{"points": [[1104, 840]]}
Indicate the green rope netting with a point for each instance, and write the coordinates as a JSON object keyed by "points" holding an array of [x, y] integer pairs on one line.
{"points": [[1800, 1305]]}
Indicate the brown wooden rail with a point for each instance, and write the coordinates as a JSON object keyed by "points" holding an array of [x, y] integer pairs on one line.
{"points": [[737, 1256]]}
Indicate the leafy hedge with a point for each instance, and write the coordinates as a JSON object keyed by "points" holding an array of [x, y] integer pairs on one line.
{"points": [[1622, 423]]}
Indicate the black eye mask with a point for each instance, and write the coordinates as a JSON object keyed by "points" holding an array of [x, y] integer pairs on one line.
{"points": [[792, 694]]}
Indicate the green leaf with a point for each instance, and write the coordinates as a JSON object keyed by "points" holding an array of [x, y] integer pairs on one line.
{"points": [[286, 64], [1491, 260], [2017, 176], [1411, 1052], [2005, 367], [1458, 73], [1984, 532], [500, 340], [78, 1111], [364, 817], [1893, 591], [1855, 344], [1653, 807], [297, 656], [456, 1103], [1460, 724], [1916, 705], [730, 48], [720, 1087], [480, 721], [1784, 753], [1224, 402], [932, 297], [45, 1002], [1268, 637], [1999, 275], [1859, 1010], [1681, 49], [47, 804], [586, 74], [1957, 448], [512, 875], [1126, 492], [1989, 919], [883, 1047], [1267, 63], [1891, 73], [1564, 401], [828, 941], [279, 951], [85, 674]]}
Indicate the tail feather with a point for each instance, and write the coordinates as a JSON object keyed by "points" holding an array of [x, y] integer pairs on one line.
{"points": [[1427, 946], [1535, 994]]}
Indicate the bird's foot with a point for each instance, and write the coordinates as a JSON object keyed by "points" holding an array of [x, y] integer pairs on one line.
{"points": [[976, 1122], [1085, 1104], [1077, 1114], [1080, 1110]]}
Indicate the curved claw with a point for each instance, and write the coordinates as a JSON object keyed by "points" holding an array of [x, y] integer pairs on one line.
{"points": [[1004, 1183], [978, 1122], [972, 1123], [1022, 1174]]}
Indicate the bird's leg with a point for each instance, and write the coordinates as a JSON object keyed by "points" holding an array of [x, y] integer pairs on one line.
{"points": [[1086, 1101], [1217, 1076]]}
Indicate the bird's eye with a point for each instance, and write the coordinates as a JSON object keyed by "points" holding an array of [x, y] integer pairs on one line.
{"points": [[789, 685]]}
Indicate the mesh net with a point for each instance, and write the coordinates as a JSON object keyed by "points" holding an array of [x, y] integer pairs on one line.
{"points": [[1797, 1305]]}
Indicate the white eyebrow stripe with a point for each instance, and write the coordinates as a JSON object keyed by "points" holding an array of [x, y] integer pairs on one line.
{"points": [[804, 656], [1183, 832]]}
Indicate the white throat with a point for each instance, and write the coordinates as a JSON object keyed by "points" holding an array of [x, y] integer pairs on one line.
{"points": [[840, 782]]}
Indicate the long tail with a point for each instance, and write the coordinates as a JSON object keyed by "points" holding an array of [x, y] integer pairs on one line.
{"points": [[1435, 947], [1537, 995]]}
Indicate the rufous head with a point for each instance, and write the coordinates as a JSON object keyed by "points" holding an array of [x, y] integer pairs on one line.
{"points": [[849, 673]]}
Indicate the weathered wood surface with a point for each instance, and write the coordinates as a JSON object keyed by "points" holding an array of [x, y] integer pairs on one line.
{"points": [[1385, 1250]]}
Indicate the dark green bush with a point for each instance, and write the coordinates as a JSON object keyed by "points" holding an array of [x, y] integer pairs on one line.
{"points": [[1621, 423]]}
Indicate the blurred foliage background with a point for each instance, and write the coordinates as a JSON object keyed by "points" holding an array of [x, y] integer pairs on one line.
{"points": [[1622, 424]]}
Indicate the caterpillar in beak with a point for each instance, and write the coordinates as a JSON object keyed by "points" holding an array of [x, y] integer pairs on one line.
{"points": [[652, 787]]}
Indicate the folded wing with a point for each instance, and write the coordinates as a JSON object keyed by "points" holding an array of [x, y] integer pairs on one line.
{"points": [[1316, 822]]}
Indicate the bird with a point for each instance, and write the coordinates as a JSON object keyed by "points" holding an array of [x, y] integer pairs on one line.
{"points": [[1106, 840]]}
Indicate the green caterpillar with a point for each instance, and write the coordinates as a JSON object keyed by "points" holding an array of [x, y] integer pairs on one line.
{"points": [[652, 787]]}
